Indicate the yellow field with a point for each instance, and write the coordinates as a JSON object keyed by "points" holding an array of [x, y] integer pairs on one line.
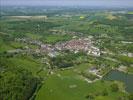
{"points": [[29, 17], [111, 17]]}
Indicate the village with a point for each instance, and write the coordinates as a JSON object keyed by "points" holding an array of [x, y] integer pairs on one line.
{"points": [[74, 45]]}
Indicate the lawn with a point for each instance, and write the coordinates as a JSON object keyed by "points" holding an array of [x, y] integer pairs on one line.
{"points": [[67, 85]]}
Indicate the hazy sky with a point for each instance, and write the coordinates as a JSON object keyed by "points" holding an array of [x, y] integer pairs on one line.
{"points": [[109, 3]]}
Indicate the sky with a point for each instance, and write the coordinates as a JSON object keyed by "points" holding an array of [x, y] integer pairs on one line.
{"points": [[102, 3]]}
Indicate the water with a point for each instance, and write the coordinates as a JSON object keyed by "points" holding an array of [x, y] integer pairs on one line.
{"points": [[127, 79]]}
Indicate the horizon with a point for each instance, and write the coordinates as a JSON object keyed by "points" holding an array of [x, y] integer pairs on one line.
{"points": [[87, 3]]}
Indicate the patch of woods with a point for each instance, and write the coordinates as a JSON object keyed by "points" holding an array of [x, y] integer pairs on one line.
{"points": [[68, 60], [16, 83]]}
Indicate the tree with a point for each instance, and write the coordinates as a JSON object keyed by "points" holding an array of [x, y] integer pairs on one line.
{"points": [[16, 84], [114, 87], [90, 96], [105, 92], [130, 97]]}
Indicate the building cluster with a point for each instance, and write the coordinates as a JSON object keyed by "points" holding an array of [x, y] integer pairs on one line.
{"points": [[74, 45]]}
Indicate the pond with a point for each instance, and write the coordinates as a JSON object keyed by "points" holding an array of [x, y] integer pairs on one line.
{"points": [[127, 79]]}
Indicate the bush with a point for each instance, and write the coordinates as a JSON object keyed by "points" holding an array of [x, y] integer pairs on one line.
{"points": [[105, 92], [90, 96], [114, 87]]}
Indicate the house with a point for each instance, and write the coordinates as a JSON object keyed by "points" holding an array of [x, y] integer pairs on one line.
{"points": [[53, 54], [45, 48], [93, 70]]}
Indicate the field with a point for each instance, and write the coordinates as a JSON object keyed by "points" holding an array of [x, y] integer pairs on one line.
{"points": [[34, 71], [68, 85]]}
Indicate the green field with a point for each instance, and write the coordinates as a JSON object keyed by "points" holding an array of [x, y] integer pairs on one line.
{"points": [[73, 87], [29, 73]]}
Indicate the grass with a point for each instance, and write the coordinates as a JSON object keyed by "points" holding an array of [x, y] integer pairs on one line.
{"points": [[130, 69], [25, 62], [82, 67], [56, 38], [125, 59], [111, 17], [58, 87], [33, 36], [130, 12], [4, 46]]}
